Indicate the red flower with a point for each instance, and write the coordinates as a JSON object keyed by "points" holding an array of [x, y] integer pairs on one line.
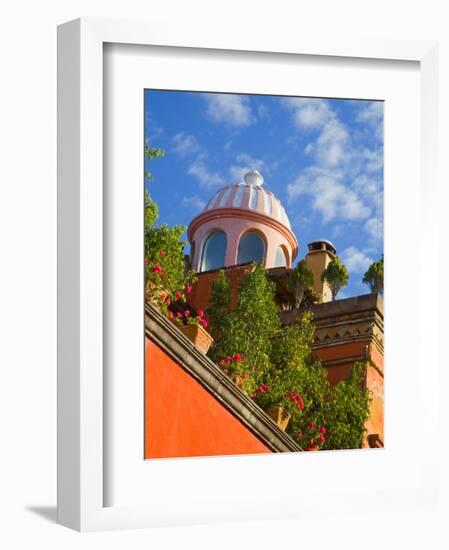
{"points": [[222, 362], [298, 435], [179, 315], [168, 301], [253, 394], [187, 313], [171, 315], [177, 295], [157, 269], [227, 360], [146, 261], [189, 289], [204, 322], [312, 425], [200, 313], [313, 448], [321, 439], [237, 357], [323, 430], [162, 253], [163, 296]]}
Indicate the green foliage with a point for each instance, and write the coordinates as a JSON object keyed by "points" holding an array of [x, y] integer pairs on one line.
{"points": [[218, 310], [277, 367], [152, 153], [248, 329], [166, 275], [300, 280], [374, 277], [347, 411], [336, 275]]}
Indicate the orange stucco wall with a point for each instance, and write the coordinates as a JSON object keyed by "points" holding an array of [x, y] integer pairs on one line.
{"points": [[182, 419]]}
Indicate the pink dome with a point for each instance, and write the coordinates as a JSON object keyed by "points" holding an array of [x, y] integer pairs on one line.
{"points": [[242, 222], [249, 197]]}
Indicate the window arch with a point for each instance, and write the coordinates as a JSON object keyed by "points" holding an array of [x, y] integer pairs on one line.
{"points": [[214, 251], [281, 258], [251, 248]]}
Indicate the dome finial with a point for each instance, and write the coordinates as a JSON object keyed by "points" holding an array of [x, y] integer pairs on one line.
{"points": [[253, 177]]}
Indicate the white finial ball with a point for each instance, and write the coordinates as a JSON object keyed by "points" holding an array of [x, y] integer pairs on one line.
{"points": [[254, 177]]}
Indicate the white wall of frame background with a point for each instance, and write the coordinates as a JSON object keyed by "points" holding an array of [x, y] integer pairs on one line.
{"points": [[28, 274]]}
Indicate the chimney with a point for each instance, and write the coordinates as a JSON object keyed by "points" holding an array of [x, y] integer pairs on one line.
{"points": [[320, 254]]}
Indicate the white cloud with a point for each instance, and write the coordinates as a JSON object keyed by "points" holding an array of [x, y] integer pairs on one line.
{"points": [[184, 145], [344, 180], [373, 114], [357, 261], [374, 229], [230, 109], [332, 145], [244, 163], [308, 112], [195, 202], [206, 179], [330, 197]]}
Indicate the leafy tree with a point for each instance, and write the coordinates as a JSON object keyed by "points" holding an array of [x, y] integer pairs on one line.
{"points": [[152, 153], [347, 411], [166, 276], [374, 276], [276, 365], [249, 328], [336, 275], [300, 280]]}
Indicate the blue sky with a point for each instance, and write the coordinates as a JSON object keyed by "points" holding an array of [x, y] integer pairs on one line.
{"points": [[323, 158]]}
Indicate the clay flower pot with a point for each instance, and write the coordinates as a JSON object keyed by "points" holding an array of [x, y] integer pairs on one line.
{"points": [[199, 337], [279, 415]]}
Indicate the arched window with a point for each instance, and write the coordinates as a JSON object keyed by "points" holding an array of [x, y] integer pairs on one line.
{"points": [[281, 257], [251, 248], [214, 251]]}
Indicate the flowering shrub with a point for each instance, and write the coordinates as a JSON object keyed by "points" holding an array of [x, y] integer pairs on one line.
{"points": [[187, 318], [311, 437], [280, 368], [236, 367]]}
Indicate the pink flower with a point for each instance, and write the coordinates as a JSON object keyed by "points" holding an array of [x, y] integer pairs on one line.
{"points": [[312, 425], [163, 296], [253, 394], [237, 357], [177, 295], [171, 315], [313, 448], [157, 269], [189, 289], [179, 315], [323, 430], [321, 439], [200, 313], [187, 313], [204, 322], [146, 261]]}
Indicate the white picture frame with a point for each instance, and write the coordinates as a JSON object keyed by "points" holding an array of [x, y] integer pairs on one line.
{"points": [[81, 408]]}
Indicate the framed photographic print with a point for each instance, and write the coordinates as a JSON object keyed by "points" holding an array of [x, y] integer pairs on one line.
{"points": [[224, 348]]}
